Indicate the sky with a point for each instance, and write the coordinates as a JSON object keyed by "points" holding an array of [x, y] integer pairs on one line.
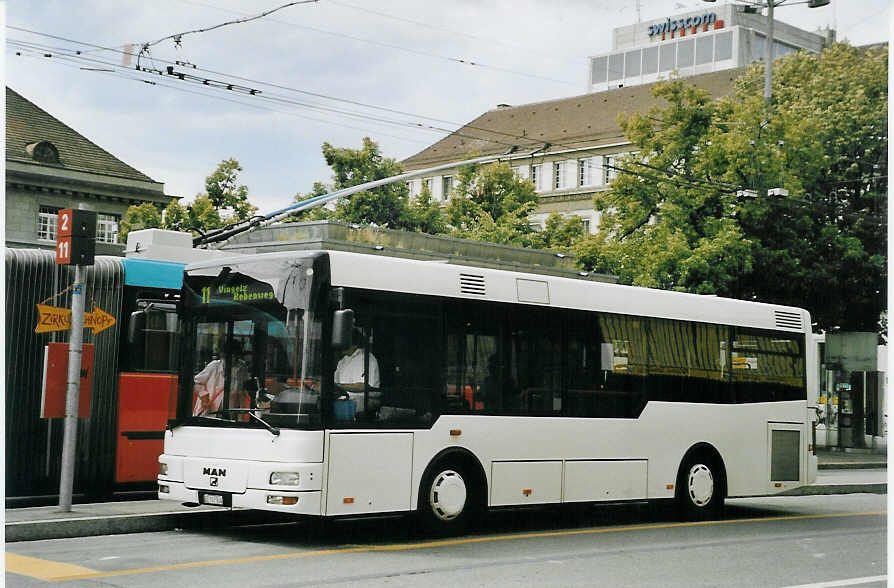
{"points": [[402, 72]]}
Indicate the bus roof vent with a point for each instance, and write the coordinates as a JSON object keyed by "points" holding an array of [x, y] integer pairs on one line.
{"points": [[789, 320], [471, 284]]}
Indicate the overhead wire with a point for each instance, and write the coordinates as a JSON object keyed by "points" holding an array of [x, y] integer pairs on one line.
{"points": [[410, 125], [488, 40], [468, 62], [62, 59]]}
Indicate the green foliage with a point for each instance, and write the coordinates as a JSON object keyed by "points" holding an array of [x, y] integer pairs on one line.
{"points": [[491, 203], [385, 206], [424, 214], [226, 195], [824, 139], [143, 216], [561, 233], [311, 214]]}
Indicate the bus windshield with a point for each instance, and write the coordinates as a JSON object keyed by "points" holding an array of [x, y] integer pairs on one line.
{"points": [[254, 345]]}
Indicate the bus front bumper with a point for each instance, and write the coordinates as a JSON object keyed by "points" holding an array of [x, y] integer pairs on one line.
{"points": [[304, 502]]}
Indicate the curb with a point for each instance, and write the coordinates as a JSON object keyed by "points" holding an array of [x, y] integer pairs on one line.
{"points": [[132, 523], [831, 489]]}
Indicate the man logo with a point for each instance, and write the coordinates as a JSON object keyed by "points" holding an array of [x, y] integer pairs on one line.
{"points": [[213, 482], [221, 472]]}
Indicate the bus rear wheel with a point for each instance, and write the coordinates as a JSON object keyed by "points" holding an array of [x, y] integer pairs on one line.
{"points": [[700, 490], [447, 499]]}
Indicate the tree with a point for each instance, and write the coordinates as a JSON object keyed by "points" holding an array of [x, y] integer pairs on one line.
{"points": [[561, 233], [385, 206], [225, 193], [689, 210], [491, 203], [203, 213], [138, 217]]}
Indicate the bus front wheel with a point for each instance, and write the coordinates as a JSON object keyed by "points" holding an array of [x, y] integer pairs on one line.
{"points": [[700, 490], [446, 498]]}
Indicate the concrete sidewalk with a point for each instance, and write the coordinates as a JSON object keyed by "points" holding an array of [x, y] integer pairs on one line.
{"points": [[139, 516]]}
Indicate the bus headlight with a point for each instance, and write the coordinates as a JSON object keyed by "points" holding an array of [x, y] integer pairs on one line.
{"points": [[164, 489], [162, 469], [284, 479]]}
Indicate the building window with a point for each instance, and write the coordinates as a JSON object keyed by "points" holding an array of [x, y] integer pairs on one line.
{"points": [[704, 50], [632, 63], [46, 223], [559, 175], [609, 166], [615, 67], [107, 228], [535, 176], [586, 222], [650, 60], [667, 59], [427, 183], [448, 187], [723, 46], [585, 172], [599, 69], [685, 53]]}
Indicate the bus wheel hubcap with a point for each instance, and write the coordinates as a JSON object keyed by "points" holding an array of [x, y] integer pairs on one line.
{"points": [[448, 495], [701, 485]]}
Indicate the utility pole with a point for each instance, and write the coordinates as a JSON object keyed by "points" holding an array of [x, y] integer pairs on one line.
{"points": [[768, 55], [70, 431], [75, 245]]}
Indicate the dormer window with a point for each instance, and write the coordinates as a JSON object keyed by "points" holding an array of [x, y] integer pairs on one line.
{"points": [[43, 151]]}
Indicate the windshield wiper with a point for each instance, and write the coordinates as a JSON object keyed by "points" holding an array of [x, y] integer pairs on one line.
{"points": [[252, 414]]}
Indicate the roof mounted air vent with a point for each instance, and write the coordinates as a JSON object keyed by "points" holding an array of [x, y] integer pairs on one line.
{"points": [[788, 320], [471, 284]]}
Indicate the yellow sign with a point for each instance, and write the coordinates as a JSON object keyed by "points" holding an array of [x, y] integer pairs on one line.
{"points": [[51, 318]]}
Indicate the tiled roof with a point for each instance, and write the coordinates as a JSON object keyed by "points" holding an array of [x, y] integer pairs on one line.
{"points": [[589, 120], [27, 124]]}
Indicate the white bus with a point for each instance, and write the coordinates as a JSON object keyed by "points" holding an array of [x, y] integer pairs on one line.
{"points": [[476, 388]]}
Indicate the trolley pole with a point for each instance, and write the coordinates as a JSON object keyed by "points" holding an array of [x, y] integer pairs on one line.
{"points": [[70, 431]]}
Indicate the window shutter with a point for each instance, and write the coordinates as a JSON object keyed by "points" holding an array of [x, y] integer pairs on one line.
{"points": [[437, 188]]}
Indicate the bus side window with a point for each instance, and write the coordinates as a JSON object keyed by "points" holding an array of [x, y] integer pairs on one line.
{"points": [[152, 344]]}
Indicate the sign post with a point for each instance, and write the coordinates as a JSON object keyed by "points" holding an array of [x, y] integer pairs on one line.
{"points": [[76, 230]]}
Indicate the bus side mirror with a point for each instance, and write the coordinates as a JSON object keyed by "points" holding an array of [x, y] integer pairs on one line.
{"points": [[342, 328], [136, 325]]}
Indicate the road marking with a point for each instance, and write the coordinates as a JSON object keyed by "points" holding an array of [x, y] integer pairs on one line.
{"points": [[849, 582], [84, 573], [43, 569]]}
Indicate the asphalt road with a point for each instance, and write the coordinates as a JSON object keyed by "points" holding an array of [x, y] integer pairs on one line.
{"points": [[781, 541]]}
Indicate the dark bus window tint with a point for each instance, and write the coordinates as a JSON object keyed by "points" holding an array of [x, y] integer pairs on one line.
{"points": [[154, 343], [401, 347], [534, 349], [624, 365], [583, 376], [475, 362], [688, 362], [767, 367]]}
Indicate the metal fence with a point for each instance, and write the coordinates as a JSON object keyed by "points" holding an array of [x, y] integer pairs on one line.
{"points": [[34, 445]]}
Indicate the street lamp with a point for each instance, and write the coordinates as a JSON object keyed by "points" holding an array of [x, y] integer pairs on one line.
{"points": [[768, 50]]}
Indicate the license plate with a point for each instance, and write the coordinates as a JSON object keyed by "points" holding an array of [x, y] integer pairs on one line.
{"points": [[214, 499]]}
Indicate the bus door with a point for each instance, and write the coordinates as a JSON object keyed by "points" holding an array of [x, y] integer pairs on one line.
{"points": [[147, 388]]}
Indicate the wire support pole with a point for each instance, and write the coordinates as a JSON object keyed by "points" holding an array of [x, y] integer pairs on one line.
{"points": [[768, 55], [70, 431]]}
